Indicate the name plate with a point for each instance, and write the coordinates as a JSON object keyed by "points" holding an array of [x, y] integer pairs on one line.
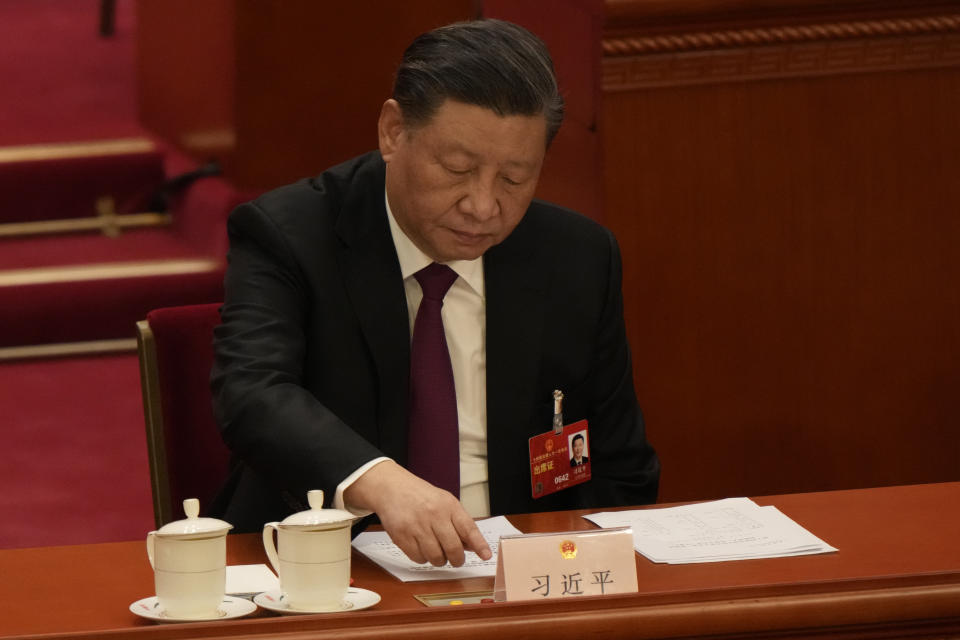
{"points": [[564, 565]]}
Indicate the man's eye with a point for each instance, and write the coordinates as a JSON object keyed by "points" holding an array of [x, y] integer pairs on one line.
{"points": [[513, 183], [458, 172]]}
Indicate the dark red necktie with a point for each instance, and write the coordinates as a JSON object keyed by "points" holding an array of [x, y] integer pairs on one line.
{"points": [[434, 437]]}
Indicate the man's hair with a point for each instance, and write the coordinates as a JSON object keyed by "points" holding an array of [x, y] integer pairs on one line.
{"points": [[488, 63], [579, 436]]}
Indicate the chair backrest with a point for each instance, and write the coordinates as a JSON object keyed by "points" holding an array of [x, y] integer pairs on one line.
{"points": [[187, 457]]}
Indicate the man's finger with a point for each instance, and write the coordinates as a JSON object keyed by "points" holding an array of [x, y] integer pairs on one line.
{"points": [[431, 549], [411, 548], [449, 539], [472, 539]]}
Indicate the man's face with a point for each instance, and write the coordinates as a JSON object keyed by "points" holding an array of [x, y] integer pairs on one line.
{"points": [[461, 183], [578, 448]]}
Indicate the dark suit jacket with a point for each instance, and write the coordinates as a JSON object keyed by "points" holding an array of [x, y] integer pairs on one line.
{"points": [[311, 371], [583, 460]]}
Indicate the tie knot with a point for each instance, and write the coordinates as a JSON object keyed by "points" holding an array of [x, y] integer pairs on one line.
{"points": [[435, 280]]}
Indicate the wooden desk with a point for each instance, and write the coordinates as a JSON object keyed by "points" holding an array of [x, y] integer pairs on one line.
{"points": [[897, 575]]}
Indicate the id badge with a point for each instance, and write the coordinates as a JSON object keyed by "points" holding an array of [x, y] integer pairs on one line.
{"points": [[559, 459]]}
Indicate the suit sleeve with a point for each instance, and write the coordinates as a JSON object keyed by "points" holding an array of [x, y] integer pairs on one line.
{"points": [[267, 417], [626, 469]]}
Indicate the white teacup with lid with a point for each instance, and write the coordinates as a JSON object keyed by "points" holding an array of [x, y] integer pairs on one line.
{"points": [[312, 555], [189, 560]]}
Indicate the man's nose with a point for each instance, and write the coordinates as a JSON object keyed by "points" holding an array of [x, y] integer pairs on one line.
{"points": [[480, 202]]}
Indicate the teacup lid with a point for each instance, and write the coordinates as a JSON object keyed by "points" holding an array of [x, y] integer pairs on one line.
{"points": [[193, 525], [316, 515]]}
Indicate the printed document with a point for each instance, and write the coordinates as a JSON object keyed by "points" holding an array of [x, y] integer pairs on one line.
{"points": [[730, 529], [378, 546]]}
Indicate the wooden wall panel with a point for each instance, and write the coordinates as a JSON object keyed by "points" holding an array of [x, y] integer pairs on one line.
{"points": [[787, 204], [185, 72], [571, 29], [312, 77]]}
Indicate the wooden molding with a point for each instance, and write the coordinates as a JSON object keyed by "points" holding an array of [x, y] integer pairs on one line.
{"points": [[108, 225], [65, 150], [643, 61], [762, 63], [107, 271], [628, 14], [64, 349], [788, 34]]}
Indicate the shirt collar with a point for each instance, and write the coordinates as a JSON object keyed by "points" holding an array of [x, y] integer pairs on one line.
{"points": [[412, 259]]}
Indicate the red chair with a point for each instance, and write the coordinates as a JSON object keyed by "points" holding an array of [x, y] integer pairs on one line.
{"points": [[187, 457]]}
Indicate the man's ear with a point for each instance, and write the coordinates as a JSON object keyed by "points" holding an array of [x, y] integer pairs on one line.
{"points": [[390, 128]]}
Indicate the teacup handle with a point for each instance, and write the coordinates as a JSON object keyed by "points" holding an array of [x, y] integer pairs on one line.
{"points": [[151, 538], [270, 546]]}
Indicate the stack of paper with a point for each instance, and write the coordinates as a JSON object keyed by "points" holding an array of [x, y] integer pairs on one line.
{"points": [[731, 529]]}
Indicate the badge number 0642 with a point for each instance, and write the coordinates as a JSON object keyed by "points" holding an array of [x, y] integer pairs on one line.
{"points": [[559, 460]]}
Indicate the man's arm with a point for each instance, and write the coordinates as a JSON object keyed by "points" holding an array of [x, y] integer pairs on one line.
{"points": [[279, 428], [267, 417]]}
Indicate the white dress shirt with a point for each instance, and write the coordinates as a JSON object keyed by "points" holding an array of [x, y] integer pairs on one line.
{"points": [[464, 325]]}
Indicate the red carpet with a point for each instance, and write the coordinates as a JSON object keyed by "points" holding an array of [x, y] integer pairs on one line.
{"points": [[73, 465], [60, 80], [73, 462]]}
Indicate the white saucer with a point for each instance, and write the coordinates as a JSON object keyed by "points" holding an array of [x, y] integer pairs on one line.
{"points": [[356, 599], [231, 607]]}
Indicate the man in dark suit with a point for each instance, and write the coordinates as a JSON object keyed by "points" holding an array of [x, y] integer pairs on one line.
{"points": [[578, 457], [312, 378]]}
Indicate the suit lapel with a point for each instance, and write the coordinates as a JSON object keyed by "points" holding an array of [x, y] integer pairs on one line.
{"points": [[371, 276]]}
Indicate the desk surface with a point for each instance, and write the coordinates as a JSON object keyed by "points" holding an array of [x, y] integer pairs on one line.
{"points": [[897, 571]]}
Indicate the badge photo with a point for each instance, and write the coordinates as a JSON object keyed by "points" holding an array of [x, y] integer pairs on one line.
{"points": [[577, 443]]}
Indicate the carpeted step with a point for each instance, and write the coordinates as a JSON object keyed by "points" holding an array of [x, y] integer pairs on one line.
{"points": [[76, 287], [107, 306], [69, 180]]}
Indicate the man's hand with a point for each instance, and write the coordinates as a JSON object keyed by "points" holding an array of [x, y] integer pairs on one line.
{"points": [[427, 523]]}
